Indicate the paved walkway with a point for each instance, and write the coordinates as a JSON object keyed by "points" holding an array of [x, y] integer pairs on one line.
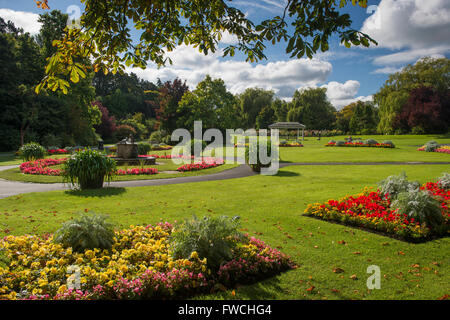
{"points": [[10, 188]]}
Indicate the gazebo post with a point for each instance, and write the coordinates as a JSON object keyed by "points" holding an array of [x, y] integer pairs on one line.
{"points": [[303, 134]]}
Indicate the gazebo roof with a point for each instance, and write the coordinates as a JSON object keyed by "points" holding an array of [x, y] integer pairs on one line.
{"points": [[287, 125]]}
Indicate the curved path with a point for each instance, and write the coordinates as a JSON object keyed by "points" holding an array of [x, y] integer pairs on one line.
{"points": [[10, 188]]}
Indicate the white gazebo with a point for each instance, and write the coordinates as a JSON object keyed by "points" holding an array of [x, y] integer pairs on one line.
{"points": [[289, 126]]}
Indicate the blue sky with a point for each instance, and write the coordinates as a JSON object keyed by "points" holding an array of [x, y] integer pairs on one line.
{"points": [[405, 29]]}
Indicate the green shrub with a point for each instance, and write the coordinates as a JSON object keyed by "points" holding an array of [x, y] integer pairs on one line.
{"points": [[420, 205], [32, 151], [417, 130], [144, 148], [194, 142], [89, 231], [340, 143], [156, 136], [167, 139], [430, 146], [332, 141], [394, 185], [124, 131], [255, 145], [88, 169], [444, 181], [212, 238], [370, 141], [389, 142]]}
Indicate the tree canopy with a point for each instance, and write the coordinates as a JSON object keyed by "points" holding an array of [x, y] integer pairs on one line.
{"points": [[311, 107], [105, 37], [394, 94]]}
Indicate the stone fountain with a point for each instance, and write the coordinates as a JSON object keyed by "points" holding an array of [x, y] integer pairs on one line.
{"points": [[127, 153]]}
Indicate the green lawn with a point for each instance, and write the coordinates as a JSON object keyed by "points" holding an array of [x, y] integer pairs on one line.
{"points": [[405, 151], [271, 208]]}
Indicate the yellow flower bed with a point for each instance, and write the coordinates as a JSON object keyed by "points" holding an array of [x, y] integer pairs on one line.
{"points": [[139, 265]]}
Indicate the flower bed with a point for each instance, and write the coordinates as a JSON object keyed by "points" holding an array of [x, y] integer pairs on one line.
{"points": [[441, 149], [57, 151], [360, 144], [371, 210], [41, 167], [295, 144], [161, 148], [139, 266], [136, 171], [206, 163]]}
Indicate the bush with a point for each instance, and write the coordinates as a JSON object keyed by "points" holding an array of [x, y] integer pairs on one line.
{"points": [[370, 141], [88, 169], [394, 185], [32, 151], [144, 148], [87, 232], [332, 141], [417, 130], [156, 136], [444, 181], [420, 205], [124, 131], [212, 238], [340, 143], [194, 142], [389, 142], [255, 145], [430, 146]]}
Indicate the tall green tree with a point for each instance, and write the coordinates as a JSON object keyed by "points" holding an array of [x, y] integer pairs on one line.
{"points": [[169, 95], [251, 102], [211, 103], [364, 119], [281, 109], [265, 118], [312, 108], [344, 116], [427, 72]]}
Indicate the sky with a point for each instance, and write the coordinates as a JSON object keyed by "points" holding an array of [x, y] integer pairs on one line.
{"points": [[406, 31]]}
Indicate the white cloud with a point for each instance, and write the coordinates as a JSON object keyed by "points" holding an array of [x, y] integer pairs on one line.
{"points": [[342, 94], [26, 20], [419, 28], [386, 70], [283, 77], [340, 91]]}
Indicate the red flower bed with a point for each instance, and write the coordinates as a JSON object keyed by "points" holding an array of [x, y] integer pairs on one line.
{"points": [[58, 151], [137, 171], [360, 144], [168, 156], [41, 167], [436, 190], [372, 210], [205, 164]]}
